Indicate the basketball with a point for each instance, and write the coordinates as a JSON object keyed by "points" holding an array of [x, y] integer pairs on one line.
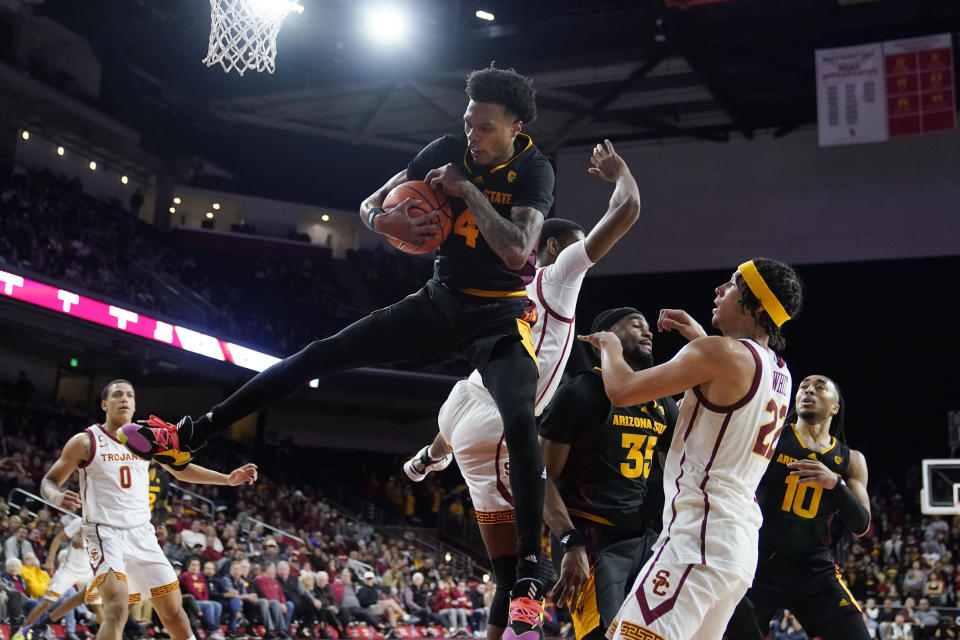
{"points": [[430, 200]]}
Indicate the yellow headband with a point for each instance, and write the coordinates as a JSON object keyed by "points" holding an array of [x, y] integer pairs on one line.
{"points": [[760, 289]]}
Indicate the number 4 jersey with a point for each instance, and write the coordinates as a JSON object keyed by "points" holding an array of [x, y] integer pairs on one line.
{"points": [[717, 458], [114, 484], [796, 517]]}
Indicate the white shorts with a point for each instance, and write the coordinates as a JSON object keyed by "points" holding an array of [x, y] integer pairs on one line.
{"points": [[471, 425], [134, 555], [674, 601], [66, 577]]}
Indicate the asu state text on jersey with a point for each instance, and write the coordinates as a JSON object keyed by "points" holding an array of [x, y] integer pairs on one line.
{"points": [[465, 261], [611, 449], [796, 517]]}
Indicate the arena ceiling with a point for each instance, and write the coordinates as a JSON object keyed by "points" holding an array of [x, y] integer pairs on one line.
{"points": [[629, 70]]}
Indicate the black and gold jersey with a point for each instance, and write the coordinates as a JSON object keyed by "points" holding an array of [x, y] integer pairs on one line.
{"points": [[465, 261], [796, 517], [611, 449]]}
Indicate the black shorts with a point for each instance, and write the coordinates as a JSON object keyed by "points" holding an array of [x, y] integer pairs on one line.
{"points": [[811, 588], [438, 323], [615, 560]]}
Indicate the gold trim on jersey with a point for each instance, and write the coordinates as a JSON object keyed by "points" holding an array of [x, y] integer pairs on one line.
{"points": [[466, 154], [483, 293], [495, 517], [833, 441], [163, 590], [843, 584], [589, 516], [632, 631], [585, 615], [134, 598]]}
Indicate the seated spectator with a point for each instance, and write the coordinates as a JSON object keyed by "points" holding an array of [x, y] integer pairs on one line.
{"points": [[174, 550], [899, 629], [925, 620], [376, 602], [195, 583], [478, 608], [871, 625], [35, 578], [324, 593], [17, 545], [238, 593], [350, 604], [290, 585], [269, 589], [787, 628], [416, 602], [194, 536], [18, 603], [935, 589], [913, 581]]}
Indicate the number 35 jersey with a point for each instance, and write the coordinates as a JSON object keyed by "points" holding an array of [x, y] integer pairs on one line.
{"points": [[796, 517], [114, 484], [465, 261], [612, 449]]}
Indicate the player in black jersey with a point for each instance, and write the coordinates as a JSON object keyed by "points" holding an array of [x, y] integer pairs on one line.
{"points": [[812, 477], [598, 460], [474, 307]]}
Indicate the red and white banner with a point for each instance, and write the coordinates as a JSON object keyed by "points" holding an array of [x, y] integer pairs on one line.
{"points": [[72, 304], [850, 95], [921, 97], [873, 92]]}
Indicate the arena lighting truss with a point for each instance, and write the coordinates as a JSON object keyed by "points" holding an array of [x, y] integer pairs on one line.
{"points": [[72, 304]]}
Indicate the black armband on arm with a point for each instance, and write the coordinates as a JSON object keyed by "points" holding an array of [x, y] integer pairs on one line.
{"points": [[571, 539], [855, 516], [371, 214]]}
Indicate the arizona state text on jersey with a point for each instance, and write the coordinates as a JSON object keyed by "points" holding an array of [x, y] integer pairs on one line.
{"points": [[796, 517], [465, 261]]}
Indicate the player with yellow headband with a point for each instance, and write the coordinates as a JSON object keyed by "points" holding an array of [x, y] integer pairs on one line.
{"points": [[737, 391]]}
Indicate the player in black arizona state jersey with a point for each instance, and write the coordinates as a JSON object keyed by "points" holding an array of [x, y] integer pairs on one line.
{"points": [[475, 305], [812, 476], [600, 457]]}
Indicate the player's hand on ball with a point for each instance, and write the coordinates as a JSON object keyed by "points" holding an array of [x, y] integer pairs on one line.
{"points": [[397, 223], [449, 179], [680, 321], [603, 340], [247, 474], [814, 471], [607, 163], [574, 571], [67, 500]]}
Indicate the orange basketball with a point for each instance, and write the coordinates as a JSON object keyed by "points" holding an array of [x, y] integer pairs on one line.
{"points": [[430, 200]]}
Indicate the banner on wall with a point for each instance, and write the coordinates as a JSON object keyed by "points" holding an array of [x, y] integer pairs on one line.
{"points": [[850, 100], [921, 97], [873, 92]]}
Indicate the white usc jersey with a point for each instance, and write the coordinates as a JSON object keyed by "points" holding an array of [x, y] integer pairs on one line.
{"points": [[554, 290], [114, 483], [76, 558], [717, 457]]}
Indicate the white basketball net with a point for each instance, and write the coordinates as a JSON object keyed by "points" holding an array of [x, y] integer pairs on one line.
{"points": [[243, 33]]}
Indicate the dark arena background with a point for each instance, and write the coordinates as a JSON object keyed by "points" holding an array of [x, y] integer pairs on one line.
{"points": [[180, 227]]}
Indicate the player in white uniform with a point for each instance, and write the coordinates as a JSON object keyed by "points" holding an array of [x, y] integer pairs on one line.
{"points": [[73, 570], [737, 395], [469, 422], [122, 547]]}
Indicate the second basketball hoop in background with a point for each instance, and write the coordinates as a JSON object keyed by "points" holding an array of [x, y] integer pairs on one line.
{"points": [[243, 33]]}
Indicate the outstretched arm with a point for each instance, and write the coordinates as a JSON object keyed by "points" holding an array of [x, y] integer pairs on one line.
{"points": [[247, 474], [76, 452], [624, 207]]}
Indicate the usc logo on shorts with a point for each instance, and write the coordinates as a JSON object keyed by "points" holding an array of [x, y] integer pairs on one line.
{"points": [[94, 554], [661, 582]]}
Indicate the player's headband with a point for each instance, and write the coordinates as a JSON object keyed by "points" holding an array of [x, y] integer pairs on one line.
{"points": [[610, 317], [760, 289]]}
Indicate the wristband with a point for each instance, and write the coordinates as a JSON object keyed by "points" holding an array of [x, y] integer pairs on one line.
{"points": [[373, 213], [571, 539]]}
